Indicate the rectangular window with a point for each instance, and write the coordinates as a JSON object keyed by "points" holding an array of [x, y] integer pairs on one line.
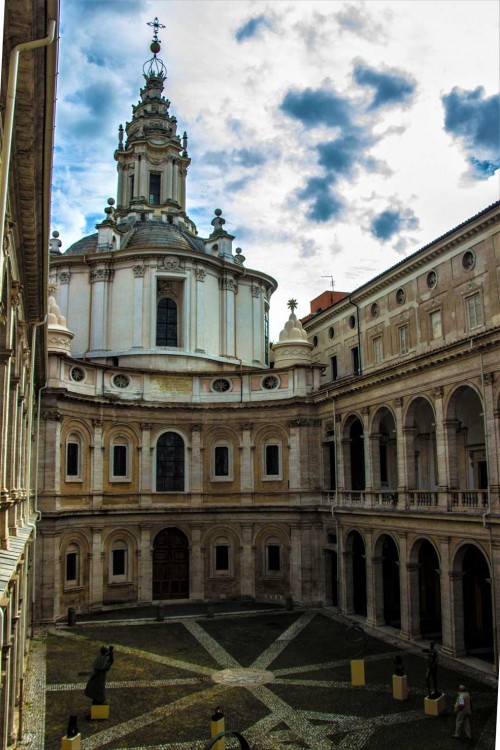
{"points": [[272, 460], [119, 562], [273, 558], [221, 461], [72, 459], [377, 350], [474, 311], [154, 188], [355, 360], [435, 324], [72, 567], [334, 366], [119, 460], [403, 339], [131, 179], [222, 558]]}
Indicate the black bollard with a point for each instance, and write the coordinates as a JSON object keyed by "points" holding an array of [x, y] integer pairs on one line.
{"points": [[71, 617]]}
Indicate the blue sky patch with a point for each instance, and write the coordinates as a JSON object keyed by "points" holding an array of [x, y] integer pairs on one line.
{"points": [[252, 27], [391, 222], [318, 107], [390, 88]]}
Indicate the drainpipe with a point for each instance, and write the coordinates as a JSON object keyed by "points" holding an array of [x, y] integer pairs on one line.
{"points": [[360, 368], [8, 125]]}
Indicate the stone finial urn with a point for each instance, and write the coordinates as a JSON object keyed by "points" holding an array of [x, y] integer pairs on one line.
{"points": [[58, 335], [293, 348]]}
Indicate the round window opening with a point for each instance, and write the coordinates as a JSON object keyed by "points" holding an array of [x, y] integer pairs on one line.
{"points": [[331, 332], [432, 279], [374, 310], [468, 260], [400, 296], [352, 322], [221, 385], [121, 381], [270, 383], [315, 341], [77, 374]]}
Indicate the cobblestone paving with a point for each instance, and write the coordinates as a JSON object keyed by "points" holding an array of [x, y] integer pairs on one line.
{"points": [[286, 725]]}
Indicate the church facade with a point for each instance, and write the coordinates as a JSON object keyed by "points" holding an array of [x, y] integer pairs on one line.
{"points": [[355, 465]]}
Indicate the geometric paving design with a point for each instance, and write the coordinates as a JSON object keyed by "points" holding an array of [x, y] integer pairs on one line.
{"points": [[286, 725]]}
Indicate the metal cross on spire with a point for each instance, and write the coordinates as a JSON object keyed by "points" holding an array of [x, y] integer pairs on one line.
{"points": [[156, 25]]}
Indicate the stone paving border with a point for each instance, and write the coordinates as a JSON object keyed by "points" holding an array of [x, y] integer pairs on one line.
{"points": [[34, 696]]}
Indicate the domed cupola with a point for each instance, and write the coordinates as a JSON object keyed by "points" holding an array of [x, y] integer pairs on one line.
{"points": [[153, 161], [293, 347]]}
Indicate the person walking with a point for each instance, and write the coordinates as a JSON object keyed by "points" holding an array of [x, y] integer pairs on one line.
{"points": [[463, 711]]}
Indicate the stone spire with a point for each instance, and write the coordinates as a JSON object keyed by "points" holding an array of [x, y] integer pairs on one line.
{"points": [[152, 158], [293, 348]]}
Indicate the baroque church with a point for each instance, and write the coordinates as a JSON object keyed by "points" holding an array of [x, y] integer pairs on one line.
{"points": [[353, 464]]}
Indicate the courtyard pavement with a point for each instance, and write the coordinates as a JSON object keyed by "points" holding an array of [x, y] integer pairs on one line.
{"points": [[282, 678]]}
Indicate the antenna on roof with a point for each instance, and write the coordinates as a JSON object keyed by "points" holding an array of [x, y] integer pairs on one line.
{"points": [[331, 279]]}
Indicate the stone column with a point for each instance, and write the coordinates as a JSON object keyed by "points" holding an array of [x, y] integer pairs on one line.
{"points": [[99, 279], [196, 465], [442, 468], [139, 271], [200, 310], [119, 189], [247, 561], [345, 463], [246, 467], [492, 440], [373, 461], [296, 563], [347, 601], [63, 278], [182, 191], [143, 175], [400, 446], [457, 645], [136, 174], [375, 590], [97, 465], [404, 605], [227, 287], [413, 586], [409, 449], [294, 455], [257, 346], [196, 569], [96, 569], [145, 458], [175, 180], [447, 598], [169, 185], [145, 565]]}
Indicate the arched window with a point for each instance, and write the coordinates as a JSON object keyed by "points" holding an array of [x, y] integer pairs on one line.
{"points": [[72, 566], [73, 462], [166, 323], [170, 463]]}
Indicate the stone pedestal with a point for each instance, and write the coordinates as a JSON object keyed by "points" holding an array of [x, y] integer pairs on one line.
{"points": [[400, 687], [358, 672], [72, 743], [99, 712], [434, 706]]}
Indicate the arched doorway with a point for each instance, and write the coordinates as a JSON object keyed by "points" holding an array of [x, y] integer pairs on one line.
{"points": [[384, 457], [478, 614], [390, 575], [429, 589], [170, 565]]}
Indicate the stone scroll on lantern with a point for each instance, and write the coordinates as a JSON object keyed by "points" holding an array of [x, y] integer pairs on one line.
{"points": [[293, 348]]}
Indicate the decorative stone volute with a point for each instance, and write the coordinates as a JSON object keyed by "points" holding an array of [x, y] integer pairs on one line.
{"points": [[293, 348], [58, 335]]}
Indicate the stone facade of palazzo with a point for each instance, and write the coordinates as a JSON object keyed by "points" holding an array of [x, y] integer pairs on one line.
{"points": [[358, 469], [27, 109]]}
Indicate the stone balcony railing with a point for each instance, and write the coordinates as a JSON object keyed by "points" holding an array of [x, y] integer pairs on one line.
{"points": [[464, 501]]}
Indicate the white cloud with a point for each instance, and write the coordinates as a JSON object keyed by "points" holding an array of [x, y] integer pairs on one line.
{"points": [[227, 95]]}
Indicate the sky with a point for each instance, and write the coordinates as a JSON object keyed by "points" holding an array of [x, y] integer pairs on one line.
{"points": [[336, 137]]}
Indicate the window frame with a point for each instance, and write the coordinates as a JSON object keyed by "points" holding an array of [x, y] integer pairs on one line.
{"points": [[74, 438], [150, 194], [167, 299], [475, 296], [119, 545], [184, 462], [222, 477], [377, 350], [272, 442], [73, 550], [119, 441], [273, 542], [219, 542], [433, 336], [403, 345]]}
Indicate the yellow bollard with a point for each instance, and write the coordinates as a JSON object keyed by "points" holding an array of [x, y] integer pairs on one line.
{"points": [[217, 725], [72, 743], [357, 671]]}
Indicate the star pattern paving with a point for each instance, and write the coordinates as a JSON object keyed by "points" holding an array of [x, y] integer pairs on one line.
{"points": [[283, 726]]}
